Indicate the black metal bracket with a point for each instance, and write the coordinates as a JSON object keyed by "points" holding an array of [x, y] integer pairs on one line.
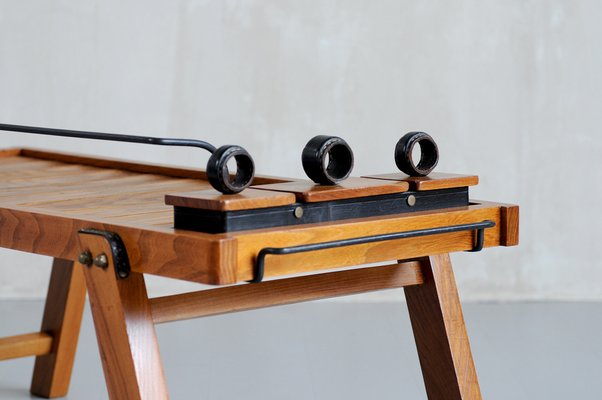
{"points": [[118, 251], [479, 227]]}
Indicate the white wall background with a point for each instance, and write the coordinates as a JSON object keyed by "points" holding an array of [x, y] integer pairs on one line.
{"points": [[511, 90]]}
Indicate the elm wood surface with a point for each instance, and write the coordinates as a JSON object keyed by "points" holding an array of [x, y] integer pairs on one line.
{"points": [[284, 291], [29, 344], [440, 333], [212, 200], [44, 203], [435, 180], [124, 329], [310, 192], [62, 319]]}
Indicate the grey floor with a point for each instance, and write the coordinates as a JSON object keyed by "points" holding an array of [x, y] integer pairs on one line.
{"points": [[349, 351]]}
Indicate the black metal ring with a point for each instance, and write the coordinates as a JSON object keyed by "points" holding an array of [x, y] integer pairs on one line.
{"points": [[340, 159], [219, 175], [429, 154]]}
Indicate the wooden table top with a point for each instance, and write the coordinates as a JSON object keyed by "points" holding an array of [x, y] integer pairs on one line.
{"points": [[46, 198]]}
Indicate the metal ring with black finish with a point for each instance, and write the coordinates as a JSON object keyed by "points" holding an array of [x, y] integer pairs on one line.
{"points": [[429, 154], [218, 173], [327, 160]]}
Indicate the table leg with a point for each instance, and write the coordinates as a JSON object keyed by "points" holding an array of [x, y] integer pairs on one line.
{"points": [[62, 319], [438, 324], [124, 329]]}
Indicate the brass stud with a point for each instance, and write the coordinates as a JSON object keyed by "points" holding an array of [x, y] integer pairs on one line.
{"points": [[85, 258], [298, 212], [411, 200], [101, 261]]}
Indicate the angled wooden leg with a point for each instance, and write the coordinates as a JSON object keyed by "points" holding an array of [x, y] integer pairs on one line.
{"points": [[438, 324], [62, 319], [124, 329]]}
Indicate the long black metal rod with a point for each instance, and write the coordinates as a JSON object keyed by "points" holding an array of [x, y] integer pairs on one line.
{"points": [[108, 136], [478, 226]]}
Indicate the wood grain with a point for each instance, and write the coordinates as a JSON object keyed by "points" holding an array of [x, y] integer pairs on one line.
{"points": [[438, 324], [158, 250], [229, 258], [510, 223], [435, 180], [126, 165], [310, 192], [10, 152], [124, 329], [29, 344], [249, 243], [62, 319], [42, 210], [214, 200], [284, 291]]}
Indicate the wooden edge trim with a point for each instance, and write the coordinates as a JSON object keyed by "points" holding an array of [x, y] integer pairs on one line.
{"points": [[284, 291], [463, 181], [418, 183], [10, 152], [248, 199], [509, 231], [132, 166], [151, 251], [29, 344]]}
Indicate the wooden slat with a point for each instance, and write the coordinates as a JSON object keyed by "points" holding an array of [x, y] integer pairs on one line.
{"points": [[309, 192], [284, 291], [30, 344], [62, 317], [214, 200], [435, 180], [438, 324]]}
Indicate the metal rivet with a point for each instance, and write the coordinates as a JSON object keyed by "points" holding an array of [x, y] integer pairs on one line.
{"points": [[85, 258], [101, 261], [298, 212], [411, 200]]}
